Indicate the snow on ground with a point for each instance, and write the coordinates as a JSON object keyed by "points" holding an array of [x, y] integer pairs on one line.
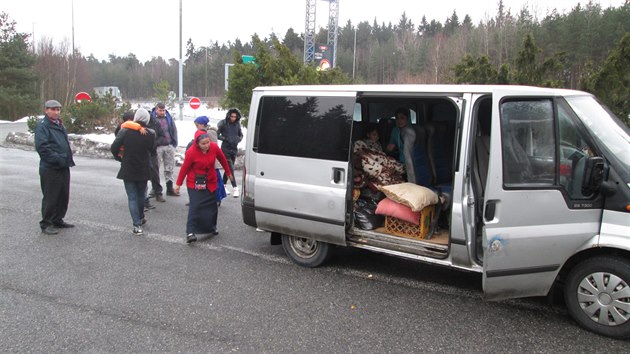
{"points": [[185, 128], [21, 120]]}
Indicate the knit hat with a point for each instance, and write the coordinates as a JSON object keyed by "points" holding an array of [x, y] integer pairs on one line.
{"points": [[141, 116], [203, 120]]}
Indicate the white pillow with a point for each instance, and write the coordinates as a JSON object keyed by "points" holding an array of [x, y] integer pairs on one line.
{"points": [[412, 195]]}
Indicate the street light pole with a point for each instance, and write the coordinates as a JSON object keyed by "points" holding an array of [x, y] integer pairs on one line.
{"points": [[206, 77], [181, 74], [33, 38], [73, 28], [354, 52]]}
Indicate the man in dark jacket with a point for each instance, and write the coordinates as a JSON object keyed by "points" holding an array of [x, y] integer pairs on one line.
{"points": [[156, 187], [135, 167], [53, 147], [166, 145], [230, 133]]}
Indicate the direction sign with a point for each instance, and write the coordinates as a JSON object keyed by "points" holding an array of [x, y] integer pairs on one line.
{"points": [[194, 103], [82, 96]]}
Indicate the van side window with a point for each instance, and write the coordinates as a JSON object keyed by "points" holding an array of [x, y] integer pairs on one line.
{"points": [[357, 116], [528, 147], [574, 151], [310, 127]]}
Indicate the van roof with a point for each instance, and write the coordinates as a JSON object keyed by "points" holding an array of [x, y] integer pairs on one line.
{"points": [[451, 89]]}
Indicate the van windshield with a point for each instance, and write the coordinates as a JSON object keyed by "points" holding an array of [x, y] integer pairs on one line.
{"points": [[607, 129]]}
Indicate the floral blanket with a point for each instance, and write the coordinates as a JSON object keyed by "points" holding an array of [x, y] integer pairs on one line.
{"points": [[375, 166]]}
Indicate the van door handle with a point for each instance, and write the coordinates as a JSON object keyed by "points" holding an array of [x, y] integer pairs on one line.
{"points": [[491, 208], [338, 175]]}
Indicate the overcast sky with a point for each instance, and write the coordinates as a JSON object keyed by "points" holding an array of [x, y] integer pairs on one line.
{"points": [[150, 28]]}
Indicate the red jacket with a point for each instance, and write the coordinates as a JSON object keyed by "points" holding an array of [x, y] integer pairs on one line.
{"points": [[197, 162]]}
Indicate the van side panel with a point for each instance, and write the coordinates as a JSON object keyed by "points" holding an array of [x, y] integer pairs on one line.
{"points": [[295, 197], [248, 183], [297, 165], [615, 230], [529, 229]]}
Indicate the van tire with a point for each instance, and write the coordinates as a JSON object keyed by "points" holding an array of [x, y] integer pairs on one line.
{"points": [[306, 252], [591, 271]]}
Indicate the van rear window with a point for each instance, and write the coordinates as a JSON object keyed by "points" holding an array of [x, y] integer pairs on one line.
{"points": [[305, 126]]}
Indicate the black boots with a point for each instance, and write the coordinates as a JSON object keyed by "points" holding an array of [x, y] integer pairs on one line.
{"points": [[169, 189]]}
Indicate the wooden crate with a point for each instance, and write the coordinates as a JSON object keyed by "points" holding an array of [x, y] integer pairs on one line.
{"points": [[403, 228]]}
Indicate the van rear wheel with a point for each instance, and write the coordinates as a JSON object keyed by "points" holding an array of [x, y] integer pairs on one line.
{"points": [[597, 294], [306, 252]]}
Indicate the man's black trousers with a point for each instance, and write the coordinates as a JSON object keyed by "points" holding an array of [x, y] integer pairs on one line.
{"points": [[56, 195]]}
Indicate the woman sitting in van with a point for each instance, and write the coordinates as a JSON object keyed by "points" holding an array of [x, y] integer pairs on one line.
{"points": [[371, 164], [403, 139]]}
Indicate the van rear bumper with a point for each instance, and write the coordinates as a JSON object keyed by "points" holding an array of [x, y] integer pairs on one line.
{"points": [[249, 214]]}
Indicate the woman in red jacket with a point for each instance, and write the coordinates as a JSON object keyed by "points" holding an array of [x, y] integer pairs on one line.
{"points": [[201, 181]]}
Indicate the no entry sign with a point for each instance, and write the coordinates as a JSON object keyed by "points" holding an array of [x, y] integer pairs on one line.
{"points": [[82, 96], [194, 103]]}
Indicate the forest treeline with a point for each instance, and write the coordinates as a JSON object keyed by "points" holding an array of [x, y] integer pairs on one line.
{"points": [[560, 49]]}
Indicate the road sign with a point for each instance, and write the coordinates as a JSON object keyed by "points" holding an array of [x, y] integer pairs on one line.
{"points": [[82, 96], [247, 59], [194, 103]]}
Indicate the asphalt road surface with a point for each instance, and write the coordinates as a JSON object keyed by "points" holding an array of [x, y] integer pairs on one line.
{"points": [[98, 288]]}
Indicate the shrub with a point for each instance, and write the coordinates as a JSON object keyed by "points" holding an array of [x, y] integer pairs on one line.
{"points": [[102, 115], [31, 123]]}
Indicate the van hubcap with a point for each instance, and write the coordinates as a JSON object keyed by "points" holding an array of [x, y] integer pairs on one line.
{"points": [[303, 247], [605, 298]]}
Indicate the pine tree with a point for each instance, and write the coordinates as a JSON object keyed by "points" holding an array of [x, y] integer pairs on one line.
{"points": [[471, 71], [611, 83], [17, 76], [160, 91]]}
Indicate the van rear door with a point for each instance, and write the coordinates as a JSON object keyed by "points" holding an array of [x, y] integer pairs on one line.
{"points": [[301, 148], [532, 224]]}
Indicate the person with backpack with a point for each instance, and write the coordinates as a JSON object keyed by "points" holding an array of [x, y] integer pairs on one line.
{"points": [[128, 123], [135, 167]]}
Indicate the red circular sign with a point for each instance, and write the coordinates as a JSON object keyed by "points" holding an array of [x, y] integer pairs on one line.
{"points": [[82, 96], [194, 103]]}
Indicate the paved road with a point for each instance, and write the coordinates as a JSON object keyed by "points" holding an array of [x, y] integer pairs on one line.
{"points": [[97, 288]]}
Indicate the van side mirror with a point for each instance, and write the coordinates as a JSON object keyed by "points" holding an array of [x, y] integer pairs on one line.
{"points": [[594, 169]]}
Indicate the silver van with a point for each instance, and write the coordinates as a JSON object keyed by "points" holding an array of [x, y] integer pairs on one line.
{"points": [[533, 185]]}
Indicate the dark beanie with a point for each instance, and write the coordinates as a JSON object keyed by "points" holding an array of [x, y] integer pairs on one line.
{"points": [[128, 116]]}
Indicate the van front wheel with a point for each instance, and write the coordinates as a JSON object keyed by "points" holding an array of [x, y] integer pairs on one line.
{"points": [[306, 252], [597, 294]]}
